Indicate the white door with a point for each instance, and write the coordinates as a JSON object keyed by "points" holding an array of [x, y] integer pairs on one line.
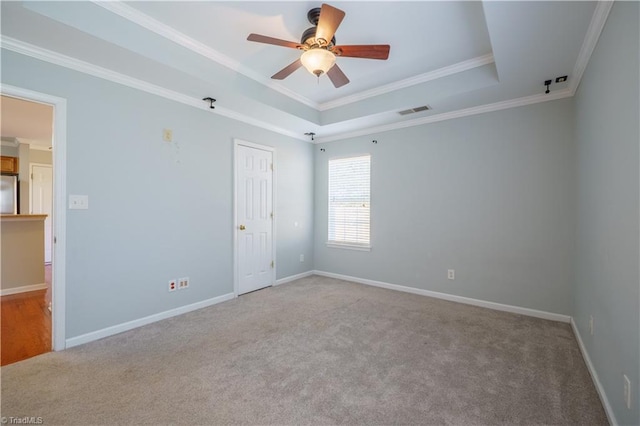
{"points": [[254, 218], [42, 201]]}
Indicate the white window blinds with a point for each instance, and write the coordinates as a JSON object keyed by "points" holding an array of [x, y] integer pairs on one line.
{"points": [[349, 201]]}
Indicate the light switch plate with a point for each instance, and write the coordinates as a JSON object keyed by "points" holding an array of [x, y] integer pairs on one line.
{"points": [[78, 202]]}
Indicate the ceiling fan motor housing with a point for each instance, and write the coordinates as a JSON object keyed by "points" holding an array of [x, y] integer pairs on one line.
{"points": [[309, 35], [309, 38]]}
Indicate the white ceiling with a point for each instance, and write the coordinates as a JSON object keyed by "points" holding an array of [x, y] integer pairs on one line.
{"points": [[457, 57], [30, 122]]}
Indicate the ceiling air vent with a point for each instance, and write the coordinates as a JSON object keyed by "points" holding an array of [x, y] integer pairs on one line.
{"points": [[414, 110]]}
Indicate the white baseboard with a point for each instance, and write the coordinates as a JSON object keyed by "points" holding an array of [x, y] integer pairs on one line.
{"points": [[110, 331], [453, 298], [23, 289], [294, 277], [594, 376]]}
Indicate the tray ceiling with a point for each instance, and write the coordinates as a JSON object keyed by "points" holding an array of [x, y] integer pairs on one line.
{"points": [[456, 57]]}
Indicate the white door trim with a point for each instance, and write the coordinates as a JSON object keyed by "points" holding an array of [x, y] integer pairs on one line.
{"points": [[236, 144], [58, 288]]}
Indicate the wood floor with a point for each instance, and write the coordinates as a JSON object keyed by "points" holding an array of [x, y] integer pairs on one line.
{"points": [[26, 324]]}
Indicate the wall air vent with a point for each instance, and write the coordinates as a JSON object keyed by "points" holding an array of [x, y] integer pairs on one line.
{"points": [[414, 110]]}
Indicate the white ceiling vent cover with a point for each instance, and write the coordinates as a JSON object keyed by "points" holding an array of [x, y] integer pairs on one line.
{"points": [[414, 110]]}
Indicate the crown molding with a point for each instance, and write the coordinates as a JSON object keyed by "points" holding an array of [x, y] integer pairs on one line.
{"points": [[481, 109], [596, 25], [39, 53], [411, 81], [34, 144], [598, 20], [35, 147], [591, 38], [134, 15]]}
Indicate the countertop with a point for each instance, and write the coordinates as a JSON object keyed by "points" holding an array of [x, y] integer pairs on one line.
{"points": [[22, 217]]}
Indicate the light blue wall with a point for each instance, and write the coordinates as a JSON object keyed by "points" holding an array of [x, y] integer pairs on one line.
{"points": [[490, 196], [536, 206], [607, 283], [157, 210]]}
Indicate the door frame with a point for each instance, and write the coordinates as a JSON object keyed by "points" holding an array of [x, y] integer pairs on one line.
{"points": [[236, 144], [59, 230], [31, 199]]}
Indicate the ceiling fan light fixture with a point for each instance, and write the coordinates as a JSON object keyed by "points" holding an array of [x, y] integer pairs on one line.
{"points": [[320, 48], [318, 61]]}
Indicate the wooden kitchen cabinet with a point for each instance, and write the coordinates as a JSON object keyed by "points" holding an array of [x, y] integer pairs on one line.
{"points": [[8, 164]]}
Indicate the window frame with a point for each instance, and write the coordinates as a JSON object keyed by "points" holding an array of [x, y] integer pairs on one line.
{"points": [[346, 244]]}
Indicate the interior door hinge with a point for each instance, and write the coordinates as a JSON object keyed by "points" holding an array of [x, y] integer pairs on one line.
{"points": [[273, 264], [271, 215], [271, 166]]}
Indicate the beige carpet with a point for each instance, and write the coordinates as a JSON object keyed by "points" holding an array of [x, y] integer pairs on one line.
{"points": [[316, 351]]}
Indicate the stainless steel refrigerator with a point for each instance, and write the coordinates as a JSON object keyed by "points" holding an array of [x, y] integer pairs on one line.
{"points": [[9, 194]]}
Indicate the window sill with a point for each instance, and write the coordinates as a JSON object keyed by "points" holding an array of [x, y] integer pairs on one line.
{"points": [[357, 247]]}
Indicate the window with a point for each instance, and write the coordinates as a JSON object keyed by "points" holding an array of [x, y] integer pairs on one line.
{"points": [[349, 202]]}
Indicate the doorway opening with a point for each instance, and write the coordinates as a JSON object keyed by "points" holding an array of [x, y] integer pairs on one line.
{"points": [[34, 133], [27, 143]]}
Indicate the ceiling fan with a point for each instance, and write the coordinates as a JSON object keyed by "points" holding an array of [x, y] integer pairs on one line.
{"points": [[320, 49]]}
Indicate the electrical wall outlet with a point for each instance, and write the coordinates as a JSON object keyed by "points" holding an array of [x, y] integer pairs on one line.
{"points": [[591, 324], [173, 285], [451, 274], [167, 135], [302, 258], [183, 283], [627, 391]]}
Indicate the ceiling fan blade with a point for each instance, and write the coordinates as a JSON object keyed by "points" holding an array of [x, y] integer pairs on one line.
{"points": [[330, 19], [275, 41], [337, 77], [287, 71], [368, 51]]}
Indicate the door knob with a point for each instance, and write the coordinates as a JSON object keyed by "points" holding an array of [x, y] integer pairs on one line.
{"points": [[242, 227]]}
